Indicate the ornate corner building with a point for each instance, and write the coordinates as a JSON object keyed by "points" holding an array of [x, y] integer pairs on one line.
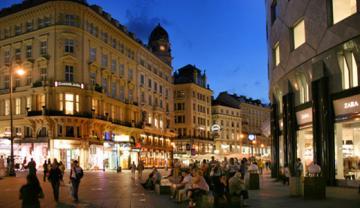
{"points": [[91, 90], [313, 49], [192, 113]]}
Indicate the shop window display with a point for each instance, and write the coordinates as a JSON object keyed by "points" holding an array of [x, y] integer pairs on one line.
{"points": [[347, 150], [305, 147]]}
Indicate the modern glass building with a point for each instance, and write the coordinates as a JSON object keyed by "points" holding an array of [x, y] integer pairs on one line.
{"points": [[313, 49]]}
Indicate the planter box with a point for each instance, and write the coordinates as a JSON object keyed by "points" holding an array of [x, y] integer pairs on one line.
{"points": [[314, 188], [254, 183]]}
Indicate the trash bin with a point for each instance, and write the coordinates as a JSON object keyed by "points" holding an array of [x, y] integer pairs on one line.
{"points": [[254, 183], [314, 188]]}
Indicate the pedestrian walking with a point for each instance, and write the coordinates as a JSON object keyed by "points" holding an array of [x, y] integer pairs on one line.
{"points": [[45, 167], [140, 169], [133, 169], [62, 169], [76, 174], [23, 167], [32, 167], [31, 192], [54, 178]]}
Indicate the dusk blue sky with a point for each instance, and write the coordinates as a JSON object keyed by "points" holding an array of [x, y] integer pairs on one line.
{"points": [[226, 38]]}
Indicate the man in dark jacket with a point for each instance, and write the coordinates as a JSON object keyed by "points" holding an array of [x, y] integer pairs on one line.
{"points": [[54, 178]]}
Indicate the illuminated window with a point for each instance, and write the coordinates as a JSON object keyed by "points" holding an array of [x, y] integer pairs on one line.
{"points": [[42, 101], [61, 102], [299, 34], [149, 118], [69, 104], [17, 106], [94, 105], [28, 103], [43, 74], [276, 54], [349, 70], [43, 48], [7, 107], [342, 9]]}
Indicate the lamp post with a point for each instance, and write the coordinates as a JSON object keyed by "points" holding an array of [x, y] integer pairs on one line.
{"points": [[19, 72]]}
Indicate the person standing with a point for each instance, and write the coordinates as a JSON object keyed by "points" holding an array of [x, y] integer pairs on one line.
{"points": [[299, 168], [31, 192], [76, 173], [54, 178], [45, 167], [2, 167], [32, 167], [140, 169], [24, 164], [133, 169]]}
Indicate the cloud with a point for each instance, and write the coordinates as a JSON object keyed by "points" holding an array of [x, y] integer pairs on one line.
{"points": [[140, 21]]}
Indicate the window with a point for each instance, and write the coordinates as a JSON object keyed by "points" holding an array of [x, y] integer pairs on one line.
{"points": [[130, 74], [7, 56], [69, 46], [104, 60], [349, 70], [113, 65], [29, 26], [274, 11], [43, 48], [149, 83], [18, 29], [92, 54], [150, 100], [69, 73], [94, 105], [6, 82], [42, 101], [130, 95], [17, 53], [71, 103], [70, 20], [342, 9], [17, 81], [155, 86], [7, 107], [121, 70], [28, 103], [276, 54], [70, 131], [93, 78], [160, 89], [142, 97], [122, 93], [299, 34], [29, 51], [43, 74], [17, 106], [104, 85], [142, 79], [113, 89]]}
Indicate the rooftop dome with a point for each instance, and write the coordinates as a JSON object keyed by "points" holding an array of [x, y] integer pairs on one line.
{"points": [[158, 33]]}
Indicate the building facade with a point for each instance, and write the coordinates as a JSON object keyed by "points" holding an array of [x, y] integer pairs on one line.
{"points": [[226, 129], [91, 90], [192, 113], [242, 121], [313, 49]]}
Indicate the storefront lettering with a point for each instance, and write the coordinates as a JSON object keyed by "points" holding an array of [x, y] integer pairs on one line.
{"points": [[69, 84], [351, 104]]}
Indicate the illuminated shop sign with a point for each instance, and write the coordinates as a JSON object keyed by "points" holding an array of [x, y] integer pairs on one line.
{"points": [[349, 105], [122, 138], [304, 116], [69, 84]]}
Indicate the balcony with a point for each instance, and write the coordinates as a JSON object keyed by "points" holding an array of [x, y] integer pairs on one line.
{"points": [[56, 113]]}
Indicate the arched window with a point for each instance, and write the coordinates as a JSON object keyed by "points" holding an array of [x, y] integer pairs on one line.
{"points": [[349, 70]]}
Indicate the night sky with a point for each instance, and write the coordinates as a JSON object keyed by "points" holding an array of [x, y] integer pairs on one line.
{"points": [[226, 38]]}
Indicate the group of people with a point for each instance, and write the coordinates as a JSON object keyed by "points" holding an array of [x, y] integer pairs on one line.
{"points": [[225, 179], [31, 192]]}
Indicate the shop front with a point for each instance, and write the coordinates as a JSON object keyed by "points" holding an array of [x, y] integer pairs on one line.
{"points": [[111, 156], [305, 150], [347, 140], [69, 150], [96, 157]]}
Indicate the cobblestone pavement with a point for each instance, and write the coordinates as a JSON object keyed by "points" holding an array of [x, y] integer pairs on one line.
{"points": [[99, 189]]}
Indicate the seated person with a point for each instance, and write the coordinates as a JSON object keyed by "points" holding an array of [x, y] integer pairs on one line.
{"points": [[184, 184], [153, 178], [198, 188], [237, 186]]}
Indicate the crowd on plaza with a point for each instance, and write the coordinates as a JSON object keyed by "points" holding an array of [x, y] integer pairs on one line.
{"points": [[226, 180], [31, 192]]}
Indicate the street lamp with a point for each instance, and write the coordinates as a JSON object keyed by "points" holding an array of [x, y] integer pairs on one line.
{"points": [[19, 72]]}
